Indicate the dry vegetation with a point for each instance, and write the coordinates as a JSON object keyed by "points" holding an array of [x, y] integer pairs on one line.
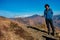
{"points": [[11, 30]]}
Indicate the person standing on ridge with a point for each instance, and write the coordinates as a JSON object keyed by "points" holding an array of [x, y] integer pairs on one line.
{"points": [[48, 14]]}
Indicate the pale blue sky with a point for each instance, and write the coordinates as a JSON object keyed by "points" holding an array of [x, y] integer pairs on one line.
{"points": [[11, 8]]}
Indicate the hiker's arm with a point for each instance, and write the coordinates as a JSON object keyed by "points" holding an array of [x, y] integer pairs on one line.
{"points": [[52, 13], [44, 14]]}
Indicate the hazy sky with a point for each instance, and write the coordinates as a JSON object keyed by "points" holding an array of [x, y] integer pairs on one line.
{"points": [[11, 8]]}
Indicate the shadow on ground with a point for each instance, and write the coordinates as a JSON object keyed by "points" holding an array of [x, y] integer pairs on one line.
{"points": [[36, 29], [48, 38]]}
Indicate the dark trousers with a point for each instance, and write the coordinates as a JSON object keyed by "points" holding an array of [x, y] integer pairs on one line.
{"points": [[51, 24]]}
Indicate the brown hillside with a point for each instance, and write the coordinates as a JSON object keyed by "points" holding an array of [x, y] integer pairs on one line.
{"points": [[14, 30]]}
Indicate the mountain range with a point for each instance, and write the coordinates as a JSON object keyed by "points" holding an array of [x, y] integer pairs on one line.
{"points": [[37, 19]]}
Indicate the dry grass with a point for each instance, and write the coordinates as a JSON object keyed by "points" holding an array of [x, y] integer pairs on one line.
{"points": [[12, 30]]}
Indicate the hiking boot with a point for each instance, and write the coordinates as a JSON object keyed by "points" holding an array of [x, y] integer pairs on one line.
{"points": [[52, 34], [48, 33]]}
